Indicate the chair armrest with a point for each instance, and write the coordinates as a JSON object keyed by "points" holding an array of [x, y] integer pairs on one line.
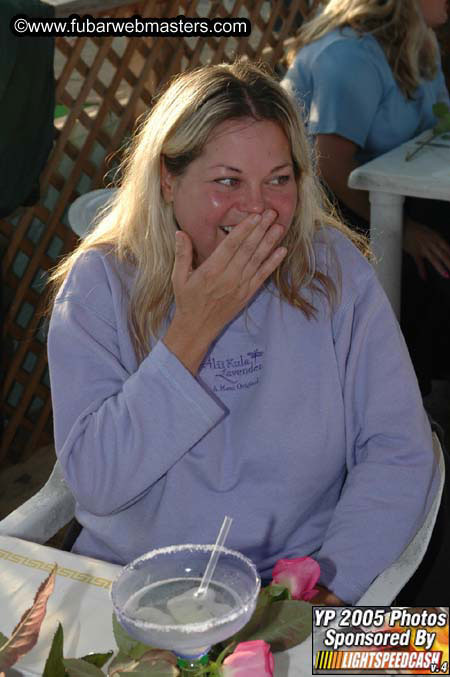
{"points": [[385, 588], [44, 514]]}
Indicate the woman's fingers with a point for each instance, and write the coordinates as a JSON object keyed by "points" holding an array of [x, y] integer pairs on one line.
{"points": [[422, 243], [440, 256], [241, 243], [264, 249], [437, 265], [183, 259], [225, 252], [246, 258], [436, 251], [421, 267], [267, 268], [255, 248]]}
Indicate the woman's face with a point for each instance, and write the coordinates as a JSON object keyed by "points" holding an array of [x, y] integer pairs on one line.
{"points": [[245, 168], [434, 12]]}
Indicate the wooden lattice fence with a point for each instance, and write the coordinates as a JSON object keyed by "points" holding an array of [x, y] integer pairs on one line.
{"points": [[105, 84]]}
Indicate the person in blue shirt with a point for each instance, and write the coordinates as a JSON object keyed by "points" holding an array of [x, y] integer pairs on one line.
{"points": [[366, 74]]}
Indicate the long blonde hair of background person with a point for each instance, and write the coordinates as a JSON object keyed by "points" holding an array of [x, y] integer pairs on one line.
{"points": [[410, 46], [139, 228]]}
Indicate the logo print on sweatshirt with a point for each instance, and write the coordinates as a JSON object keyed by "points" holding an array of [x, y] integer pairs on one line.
{"points": [[235, 373]]}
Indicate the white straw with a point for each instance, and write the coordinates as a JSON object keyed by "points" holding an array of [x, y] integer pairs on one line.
{"points": [[211, 566]]}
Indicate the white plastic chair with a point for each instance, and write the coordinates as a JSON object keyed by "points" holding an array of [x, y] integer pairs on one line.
{"points": [[44, 514], [83, 211], [39, 518]]}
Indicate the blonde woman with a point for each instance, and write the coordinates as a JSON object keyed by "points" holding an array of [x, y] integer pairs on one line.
{"points": [[218, 345], [366, 74]]}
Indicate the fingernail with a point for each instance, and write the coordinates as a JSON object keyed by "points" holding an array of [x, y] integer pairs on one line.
{"points": [[270, 214], [178, 241], [255, 218], [278, 230]]}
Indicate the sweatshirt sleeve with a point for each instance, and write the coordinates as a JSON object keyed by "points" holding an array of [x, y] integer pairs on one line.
{"points": [[116, 432], [392, 475]]}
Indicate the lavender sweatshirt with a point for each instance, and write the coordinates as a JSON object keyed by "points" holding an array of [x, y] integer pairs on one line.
{"points": [[310, 433]]}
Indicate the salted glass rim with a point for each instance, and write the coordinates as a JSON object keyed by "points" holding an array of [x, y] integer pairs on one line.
{"points": [[188, 628]]}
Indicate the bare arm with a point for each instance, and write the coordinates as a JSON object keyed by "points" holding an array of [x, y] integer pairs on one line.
{"points": [[336, 159]]}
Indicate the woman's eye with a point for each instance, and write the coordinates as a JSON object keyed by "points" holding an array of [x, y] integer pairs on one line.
{"points": [[280, 180], [228, 181]]}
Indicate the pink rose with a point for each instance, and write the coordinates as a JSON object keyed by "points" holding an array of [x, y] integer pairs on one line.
{"points": [[249, 659], [299, 575]]}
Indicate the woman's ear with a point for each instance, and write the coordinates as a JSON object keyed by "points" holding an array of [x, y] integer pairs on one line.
{"points": [[167, 181]]}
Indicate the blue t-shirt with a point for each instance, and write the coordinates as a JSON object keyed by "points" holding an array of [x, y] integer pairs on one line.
{"points": [[345, 86]]}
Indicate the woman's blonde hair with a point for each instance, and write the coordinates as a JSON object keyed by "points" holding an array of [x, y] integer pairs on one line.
{"points": [[398, 25], [139, 228]]}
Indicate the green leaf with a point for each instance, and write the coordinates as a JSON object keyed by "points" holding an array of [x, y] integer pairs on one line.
{"points": [[118, 663], [77, 667], [152, 672], [98, 659], [54, 666], [265, 597], [446, 137], [60, 111], [139, 650], [278, 592], [443, 125], [26, 632], [127, 644], [440, 108], [260, 618], [282, 624], [3, 639], [155, 662]]}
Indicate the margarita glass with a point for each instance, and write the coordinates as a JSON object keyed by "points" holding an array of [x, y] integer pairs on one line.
{"points": [[155, 600]]}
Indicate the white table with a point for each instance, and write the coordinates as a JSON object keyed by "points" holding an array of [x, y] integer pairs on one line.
{"points": [[389, 178], [80, 602]]}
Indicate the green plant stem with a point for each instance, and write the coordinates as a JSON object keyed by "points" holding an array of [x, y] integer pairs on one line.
{"points": [[228, 649], [422, 144], [211, 669]]}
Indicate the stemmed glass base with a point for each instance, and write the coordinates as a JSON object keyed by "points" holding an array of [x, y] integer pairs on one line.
{"points": [[190, 666]]}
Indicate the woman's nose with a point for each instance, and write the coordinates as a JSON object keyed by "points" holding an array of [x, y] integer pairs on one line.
{"points": [[253, 200]]}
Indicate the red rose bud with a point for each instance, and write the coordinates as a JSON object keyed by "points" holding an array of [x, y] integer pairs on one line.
{"points": [[249, 659], [299, 575]]}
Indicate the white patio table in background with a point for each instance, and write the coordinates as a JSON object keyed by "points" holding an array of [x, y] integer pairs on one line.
{"points": [[389, 178]]}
